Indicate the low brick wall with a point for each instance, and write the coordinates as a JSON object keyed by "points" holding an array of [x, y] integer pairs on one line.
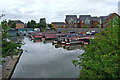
{"points": [[77, 30]]}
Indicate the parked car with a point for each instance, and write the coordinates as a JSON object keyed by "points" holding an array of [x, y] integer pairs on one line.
{"points": [[91, 32], [36, 29]]}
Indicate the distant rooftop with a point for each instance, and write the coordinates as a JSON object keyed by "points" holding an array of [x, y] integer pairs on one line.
{"points": [[58, 23], [94, 18], [17, 21], [84, 16], [71, 15]]}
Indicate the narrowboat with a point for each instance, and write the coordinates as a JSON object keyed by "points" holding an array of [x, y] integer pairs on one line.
{"points": [[85, 41], [49, 36]]}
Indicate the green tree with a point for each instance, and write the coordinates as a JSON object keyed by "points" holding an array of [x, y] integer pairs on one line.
{"points": [[50, 26], [84, 26], [102, 56], [12, 25], [42, 25], [31, 24], [37, 25], [9, 48], [58, 26], [42, 20]]}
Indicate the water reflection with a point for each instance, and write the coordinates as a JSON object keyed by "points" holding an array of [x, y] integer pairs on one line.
{"points": [[45, 61], [16, 38], [37, 40], [48, 41], [69, 47]]}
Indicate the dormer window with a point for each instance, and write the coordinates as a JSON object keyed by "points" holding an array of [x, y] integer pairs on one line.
{"points": [[87, 21], [71, 21]]}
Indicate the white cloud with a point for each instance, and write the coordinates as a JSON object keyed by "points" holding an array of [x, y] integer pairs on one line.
{"points": [[55, 10]]}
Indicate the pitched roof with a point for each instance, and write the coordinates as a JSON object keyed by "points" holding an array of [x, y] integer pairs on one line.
{"points": [[17, 21], [102, 17], [94, 18], [68, 17], [58, 23], [71, 15], [111, 15], [83, 17]]}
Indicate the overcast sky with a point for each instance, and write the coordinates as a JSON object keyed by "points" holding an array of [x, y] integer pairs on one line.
{"points": [[55, 10]]}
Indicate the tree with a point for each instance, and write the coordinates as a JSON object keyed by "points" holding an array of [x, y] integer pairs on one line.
{"points": [[50, 26], [102, 56], [31, 24], [84, 26], [59, 27], [9, 48], [42, 25], [37, 25], [12, 25], [42, 20]]}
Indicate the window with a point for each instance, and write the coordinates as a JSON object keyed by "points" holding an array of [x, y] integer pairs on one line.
{"points": [[78, 21], [75, 21], [82, 21], [87, 21], [71, 21], [100, 21]]}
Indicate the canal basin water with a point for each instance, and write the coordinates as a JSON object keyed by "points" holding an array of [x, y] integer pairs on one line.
{"points": [[44, 60]]}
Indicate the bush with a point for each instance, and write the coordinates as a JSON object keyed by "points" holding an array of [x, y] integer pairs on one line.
{"points": [[102, 56], [9, 48]]}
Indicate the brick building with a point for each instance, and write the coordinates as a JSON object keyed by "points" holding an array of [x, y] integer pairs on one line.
{"points": [[58, 24], [112, 16], [71, 21], [84, 21], [101, 19], [94, 22], [19, 24]]}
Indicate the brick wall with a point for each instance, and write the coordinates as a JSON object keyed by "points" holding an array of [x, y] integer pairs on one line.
{"points": [[19, 26]]}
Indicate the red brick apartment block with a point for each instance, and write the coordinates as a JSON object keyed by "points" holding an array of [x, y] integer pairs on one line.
{"points": [[83, 21]]}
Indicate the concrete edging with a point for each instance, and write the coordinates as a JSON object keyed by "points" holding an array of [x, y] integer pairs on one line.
{"points": [[10, 67]]}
